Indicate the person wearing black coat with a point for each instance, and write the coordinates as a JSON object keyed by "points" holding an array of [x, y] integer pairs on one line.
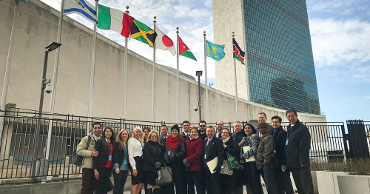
{"points": [[228, 183], [175, 152], [282, 175], [102, 164], [153, 153], [202, 130], [213, 147], [297, 147]]}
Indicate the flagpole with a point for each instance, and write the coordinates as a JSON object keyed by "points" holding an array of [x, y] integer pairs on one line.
{"points": [[205, 72], [92, 70], [177, 78], [125, 75], [55, 73], [7, 68], [236, 88], [153, 81]]}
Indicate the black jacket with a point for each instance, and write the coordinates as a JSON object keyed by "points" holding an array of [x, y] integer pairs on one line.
{"points": [[162, 140], [233, 149], [238, 137], [176, 155], [202, 135], [102, 159], [214, 149], [119, 155], [152, 152], [280, 139], [298, 146]]}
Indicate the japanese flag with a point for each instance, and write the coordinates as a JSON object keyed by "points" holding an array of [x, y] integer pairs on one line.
{"points": [[164, 42]]}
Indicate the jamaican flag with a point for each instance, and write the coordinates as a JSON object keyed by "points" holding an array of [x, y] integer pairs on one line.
{"points": [[143, 33]]}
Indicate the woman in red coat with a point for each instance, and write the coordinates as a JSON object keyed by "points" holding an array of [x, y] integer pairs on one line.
{"points": [[192, 161]]}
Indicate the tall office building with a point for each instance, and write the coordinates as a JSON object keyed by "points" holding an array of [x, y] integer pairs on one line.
{"points": [[279, 70]]}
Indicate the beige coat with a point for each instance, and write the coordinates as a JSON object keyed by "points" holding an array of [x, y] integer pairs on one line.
{"points": [[87, 161]]}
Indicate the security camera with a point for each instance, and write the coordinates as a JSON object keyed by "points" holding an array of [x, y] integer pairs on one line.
{"points": [[48, 89], [196, 107]]}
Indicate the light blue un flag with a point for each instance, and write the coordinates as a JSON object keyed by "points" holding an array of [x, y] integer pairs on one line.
{"points": [[215, 51]]}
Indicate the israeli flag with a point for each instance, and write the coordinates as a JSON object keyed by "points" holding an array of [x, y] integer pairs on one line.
{"points": [[81, 7]]}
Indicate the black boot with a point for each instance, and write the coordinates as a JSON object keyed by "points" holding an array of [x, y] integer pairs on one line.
{"points": [[157, 191], [149, 191]]}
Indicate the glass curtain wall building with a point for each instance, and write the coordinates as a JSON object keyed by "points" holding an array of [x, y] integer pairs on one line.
{"points": [[280, 65]]}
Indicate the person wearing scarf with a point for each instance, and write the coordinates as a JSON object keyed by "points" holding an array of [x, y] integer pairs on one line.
{"points": [[175, 152], [193, 162], [228, 183]]}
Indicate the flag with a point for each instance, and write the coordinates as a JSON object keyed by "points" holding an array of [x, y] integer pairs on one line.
{"points": [[184, 50], [237, 52], [164, 42], [113, 19], [215, 51], [81, 7], [143, 33]]}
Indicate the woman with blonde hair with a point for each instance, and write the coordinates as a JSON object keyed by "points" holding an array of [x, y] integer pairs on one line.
{"points": [[120, 159], [153, 153], [135, 153]]}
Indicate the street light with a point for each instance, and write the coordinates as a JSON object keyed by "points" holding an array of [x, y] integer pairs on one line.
{"points": [[199, 73], [52, 46]]}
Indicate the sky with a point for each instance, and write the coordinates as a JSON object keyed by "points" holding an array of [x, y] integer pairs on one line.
{"points": [[340, 34]]}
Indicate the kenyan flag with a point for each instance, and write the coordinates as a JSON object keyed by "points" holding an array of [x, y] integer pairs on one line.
{"points": [[237, 52], [185, 51]]}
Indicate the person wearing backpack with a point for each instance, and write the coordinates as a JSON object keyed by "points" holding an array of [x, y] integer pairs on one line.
{"points": [[86, 149]]}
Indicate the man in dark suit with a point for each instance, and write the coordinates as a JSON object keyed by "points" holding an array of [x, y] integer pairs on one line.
{"points": [[202, 130], [213, 147], [282, 176], [297, 147], [186, 129], [164, 135]]}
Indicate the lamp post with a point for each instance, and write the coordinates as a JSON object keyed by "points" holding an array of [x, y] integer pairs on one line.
{"points": [[52, 46], [199, 73]]}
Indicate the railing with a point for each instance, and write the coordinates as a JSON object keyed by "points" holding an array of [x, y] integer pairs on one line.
{"points": [[331, 142]]}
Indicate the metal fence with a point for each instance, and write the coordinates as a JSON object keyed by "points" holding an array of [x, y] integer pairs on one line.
{"points": [[21, 159]]}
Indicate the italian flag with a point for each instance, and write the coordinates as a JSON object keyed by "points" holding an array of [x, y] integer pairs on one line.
{"points": [[114, 19], [184, 50]]}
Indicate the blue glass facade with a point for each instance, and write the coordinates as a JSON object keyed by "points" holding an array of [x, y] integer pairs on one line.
{"points": [[279, 54]]}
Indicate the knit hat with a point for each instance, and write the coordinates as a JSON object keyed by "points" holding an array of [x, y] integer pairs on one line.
{"points": [[175, 127]]}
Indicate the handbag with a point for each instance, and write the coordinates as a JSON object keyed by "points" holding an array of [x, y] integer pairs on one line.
{"points": [[77, 159], [234, 164], [164, 175], [226, 168]]}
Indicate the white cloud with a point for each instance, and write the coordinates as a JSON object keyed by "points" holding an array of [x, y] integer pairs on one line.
{"points": [[329, 6], [339, 42]]}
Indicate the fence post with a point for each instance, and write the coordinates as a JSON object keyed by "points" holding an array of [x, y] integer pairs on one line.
{"points": [[7, 133], [357, 139]]}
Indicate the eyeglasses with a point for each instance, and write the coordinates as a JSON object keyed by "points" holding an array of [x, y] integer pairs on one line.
{"points": [[97, 127], [202, 125]]}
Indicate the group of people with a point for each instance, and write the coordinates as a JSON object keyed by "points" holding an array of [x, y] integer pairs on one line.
{"points": [[272, 153]]}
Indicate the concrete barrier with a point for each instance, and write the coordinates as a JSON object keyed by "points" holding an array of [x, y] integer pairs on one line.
{"points": [[63, 187], [354, 184]]}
